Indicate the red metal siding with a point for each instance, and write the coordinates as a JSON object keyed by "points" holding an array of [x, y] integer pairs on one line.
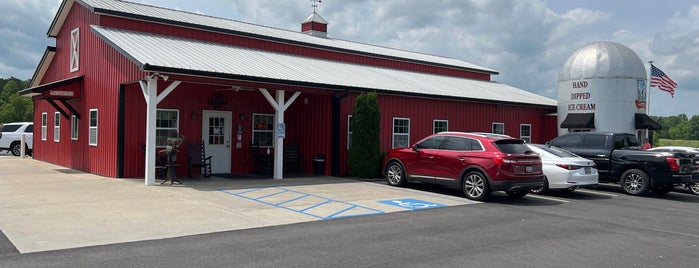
{"points": [[462, 116], [103, 69], [143, 26]]}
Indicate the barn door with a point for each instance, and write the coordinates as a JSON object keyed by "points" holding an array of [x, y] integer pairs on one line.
{"points": [[216, 133]]}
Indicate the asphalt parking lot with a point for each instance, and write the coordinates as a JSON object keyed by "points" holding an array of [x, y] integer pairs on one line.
{"points": [[48, 207], [64, 209]]}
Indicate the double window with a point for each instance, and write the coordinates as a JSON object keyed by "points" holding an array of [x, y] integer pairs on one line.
{"points": [[263, 130], [74, 127], [44, 125], [498, 128], [93, 127], [401, 132], [166, 125], [57, 127], [525, 132], [440, 126]]}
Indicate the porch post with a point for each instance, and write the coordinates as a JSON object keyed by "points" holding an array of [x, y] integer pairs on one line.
{"points": [[280, 105], [150, 93]]}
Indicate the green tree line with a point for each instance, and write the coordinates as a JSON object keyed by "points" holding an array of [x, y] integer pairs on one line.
{"points": [[13, 107], [678, 127]]}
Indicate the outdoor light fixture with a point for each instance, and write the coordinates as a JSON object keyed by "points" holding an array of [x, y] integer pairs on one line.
{"points": [[194, 115]]}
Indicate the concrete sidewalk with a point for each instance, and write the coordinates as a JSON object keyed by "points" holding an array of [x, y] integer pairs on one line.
{"points": [[48, 207]]}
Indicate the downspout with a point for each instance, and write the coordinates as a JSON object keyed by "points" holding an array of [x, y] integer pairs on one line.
{"points": [[335, 147]]}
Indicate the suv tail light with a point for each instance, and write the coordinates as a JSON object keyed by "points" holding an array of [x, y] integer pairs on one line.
{"points": [[499, 160], [674, 163], [568, 167]]}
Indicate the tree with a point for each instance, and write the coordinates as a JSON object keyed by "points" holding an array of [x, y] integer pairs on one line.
{"points": [[14, 108], [693, 128], [365, 148], [670, 122]]}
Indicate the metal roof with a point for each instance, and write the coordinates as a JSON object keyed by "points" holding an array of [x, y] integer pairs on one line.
{"points": [[159, 53], [602, 59], [187, 19]]}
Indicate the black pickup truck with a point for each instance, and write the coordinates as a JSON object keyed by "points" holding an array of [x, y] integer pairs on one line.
{"points": [[619, 159]]}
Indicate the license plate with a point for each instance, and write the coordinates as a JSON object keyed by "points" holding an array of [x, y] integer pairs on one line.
{"points": [[528, 169], [588, 170]]}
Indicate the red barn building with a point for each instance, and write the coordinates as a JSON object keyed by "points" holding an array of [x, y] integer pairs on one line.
{"points": [[123, 75]]}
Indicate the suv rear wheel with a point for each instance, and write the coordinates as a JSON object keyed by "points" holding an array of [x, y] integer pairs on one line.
{"points": [[475, 186], [635, 182]]}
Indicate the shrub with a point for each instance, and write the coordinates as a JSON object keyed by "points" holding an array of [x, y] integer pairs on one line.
{"points": [[365, 149]]}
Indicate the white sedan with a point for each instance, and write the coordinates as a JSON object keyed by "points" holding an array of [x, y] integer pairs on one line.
{"points": [[564, 170]]}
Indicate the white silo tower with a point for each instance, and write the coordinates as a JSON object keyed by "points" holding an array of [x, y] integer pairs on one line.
{"points": [[602, 87]]}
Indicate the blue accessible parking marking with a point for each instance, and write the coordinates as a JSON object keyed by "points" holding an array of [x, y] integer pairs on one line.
{"points": [[411, 204], [304, 203]]}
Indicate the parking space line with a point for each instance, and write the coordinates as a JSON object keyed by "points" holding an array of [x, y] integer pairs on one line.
{"points": [[328, 207], [595, 192], [418, 192], [548, 198], [292, 200]]}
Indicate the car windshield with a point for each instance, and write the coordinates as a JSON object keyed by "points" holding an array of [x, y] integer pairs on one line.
{"points": [[555, 150], [512, 146]]}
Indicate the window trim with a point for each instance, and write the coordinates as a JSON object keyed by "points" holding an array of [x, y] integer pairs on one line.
{"points": [[57, 127], [527, 139], [265, 131], [93, 128], [74, 127], [394, 134], [434, 125], [44, 125], [492, 128]]}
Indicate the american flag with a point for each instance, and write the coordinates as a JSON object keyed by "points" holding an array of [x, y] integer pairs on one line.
{"points": [[660, 80]]}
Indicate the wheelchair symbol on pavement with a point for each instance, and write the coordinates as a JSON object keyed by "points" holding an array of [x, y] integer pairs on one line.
{"points": [[411, 204]]}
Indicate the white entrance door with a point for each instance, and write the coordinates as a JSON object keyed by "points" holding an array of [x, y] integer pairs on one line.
{"points": [[216, 133]]}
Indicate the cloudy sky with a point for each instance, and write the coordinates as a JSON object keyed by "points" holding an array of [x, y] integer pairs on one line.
{"points": [[527, 41]]}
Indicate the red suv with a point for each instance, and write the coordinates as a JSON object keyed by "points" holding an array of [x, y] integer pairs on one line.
{"points": [[477, 163]]}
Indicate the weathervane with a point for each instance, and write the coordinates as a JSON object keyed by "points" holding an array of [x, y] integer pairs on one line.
{"points": [[315, 4]]}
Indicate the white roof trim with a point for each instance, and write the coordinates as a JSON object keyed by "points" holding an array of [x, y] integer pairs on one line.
{"points": [[153, 52]]}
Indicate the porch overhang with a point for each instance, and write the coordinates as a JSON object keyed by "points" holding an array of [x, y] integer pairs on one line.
{"points": [[61, 91], [579, 120], [643, 121]]}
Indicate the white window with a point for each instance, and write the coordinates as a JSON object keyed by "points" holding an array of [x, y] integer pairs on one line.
{"points": [[263, 130], [75, 50], [74, 127], [57, 127], [44, 125], [525, 132], [440, 126], [93, 127], [166, 123], [498, 128], [349, 131], [401, 132]]}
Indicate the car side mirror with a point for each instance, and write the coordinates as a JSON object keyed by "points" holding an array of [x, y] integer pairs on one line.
{"points": [[416, 148]]}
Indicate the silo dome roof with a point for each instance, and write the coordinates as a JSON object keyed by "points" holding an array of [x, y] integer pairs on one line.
{"points": [[602, 59]]}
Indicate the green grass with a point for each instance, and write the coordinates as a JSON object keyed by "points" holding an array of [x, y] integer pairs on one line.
{"points": [[666, 142]]}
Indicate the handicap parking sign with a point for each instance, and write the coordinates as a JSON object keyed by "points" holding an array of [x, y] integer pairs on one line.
{"points": [[411, 204]]}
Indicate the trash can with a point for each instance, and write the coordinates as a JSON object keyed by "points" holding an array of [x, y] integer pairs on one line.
{"points": [[319, 165]]}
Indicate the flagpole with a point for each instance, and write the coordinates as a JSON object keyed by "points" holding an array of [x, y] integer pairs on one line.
{"points": [[648, 88], [648, 91]]}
